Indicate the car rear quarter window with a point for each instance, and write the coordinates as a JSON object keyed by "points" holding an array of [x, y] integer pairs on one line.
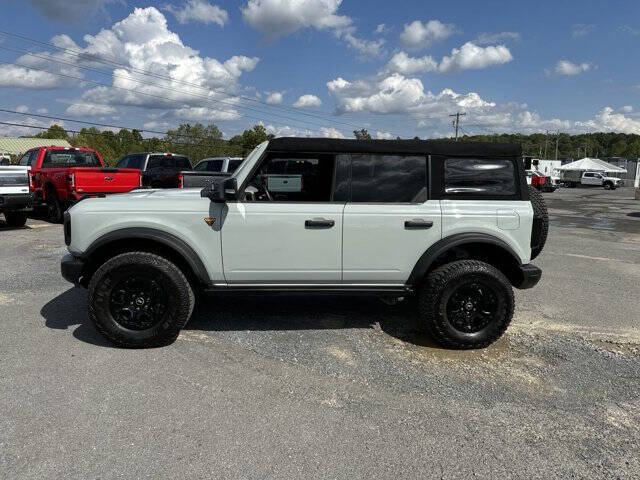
{"points": [[480, 177], [388, 178], [233, 165]]}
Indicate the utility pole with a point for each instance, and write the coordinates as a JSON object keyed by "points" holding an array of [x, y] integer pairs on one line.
{"points": [[456, 122], [546, 143], [557, 138]]}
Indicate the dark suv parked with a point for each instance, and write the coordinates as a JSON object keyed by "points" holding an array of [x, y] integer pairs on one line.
{"points": [[159, 170]]}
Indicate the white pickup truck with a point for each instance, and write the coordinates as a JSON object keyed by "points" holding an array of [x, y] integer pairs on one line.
{"points": [[598, 179], [15, 197]]}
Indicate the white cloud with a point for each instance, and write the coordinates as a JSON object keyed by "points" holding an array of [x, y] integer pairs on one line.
{"points": [[417, 35], [330, 132], [143, 41], [199, 11], [493, 38], [473, 57], [406, 65], [203, 114], [306, 101], [28, 78], [626, 109], [629, 30], [278, 18], [384, 135], [22, 109], [582, 29], [42, 111], [66, 10], [567, 68], [607, 120], [366, 48], [381, 29], [90, 110], [274, 98]]}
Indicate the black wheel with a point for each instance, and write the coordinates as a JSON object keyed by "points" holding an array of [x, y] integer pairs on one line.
{"points": [[15, 219], [55, 211], [466, 304], [540, 229], [140, 300], [608, 186]]}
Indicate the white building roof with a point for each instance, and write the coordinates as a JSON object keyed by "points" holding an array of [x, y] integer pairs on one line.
{"points": [[17, 145]]}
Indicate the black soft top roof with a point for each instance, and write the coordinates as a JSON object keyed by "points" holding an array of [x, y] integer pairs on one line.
{"points": [[427, 147]]}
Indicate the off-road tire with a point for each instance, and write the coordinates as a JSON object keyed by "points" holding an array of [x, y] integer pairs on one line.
{"points": [[180, 299], [15, 219], [441, 284], [541, 215]]}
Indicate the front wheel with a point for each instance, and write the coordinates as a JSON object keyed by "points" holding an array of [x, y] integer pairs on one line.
{"points": [[140, 300], [15, 219], [608, 186], [466, 304]]}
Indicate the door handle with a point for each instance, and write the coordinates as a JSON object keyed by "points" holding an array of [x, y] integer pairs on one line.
{"points": [[319, 223], [417, 224]]}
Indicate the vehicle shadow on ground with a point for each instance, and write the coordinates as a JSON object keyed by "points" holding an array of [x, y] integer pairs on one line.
{"points": [[274, 312]]}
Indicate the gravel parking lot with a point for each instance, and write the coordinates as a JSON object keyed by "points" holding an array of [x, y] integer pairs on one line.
{"points": [[296, 387]]}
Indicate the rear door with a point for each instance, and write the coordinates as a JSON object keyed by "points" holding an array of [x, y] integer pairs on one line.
{"points": [[389, 221], [484, 195], [280, 235]]}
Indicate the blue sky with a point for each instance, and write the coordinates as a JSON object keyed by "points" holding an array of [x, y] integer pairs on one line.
{"points": [[323, 67]]}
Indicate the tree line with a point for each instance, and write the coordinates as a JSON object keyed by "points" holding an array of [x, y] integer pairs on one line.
{"points": [[198, 141]]}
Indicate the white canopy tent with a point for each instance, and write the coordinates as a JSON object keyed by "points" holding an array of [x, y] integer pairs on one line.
{"points": [[592, 165]]}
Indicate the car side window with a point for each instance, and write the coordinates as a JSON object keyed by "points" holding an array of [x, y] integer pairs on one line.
{"points": [[480, 177], [26, 160], [388, 178], [201, 167], [589, 174], [303, 178]]}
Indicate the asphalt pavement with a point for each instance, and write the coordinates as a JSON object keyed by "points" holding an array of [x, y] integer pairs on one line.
{"points": [[333, 387]]}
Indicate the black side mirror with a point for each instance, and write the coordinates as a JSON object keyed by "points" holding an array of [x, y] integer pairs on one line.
{"points": [[220, 190]]}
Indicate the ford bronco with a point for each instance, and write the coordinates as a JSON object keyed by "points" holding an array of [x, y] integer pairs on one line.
{"points": [[454, 224]]}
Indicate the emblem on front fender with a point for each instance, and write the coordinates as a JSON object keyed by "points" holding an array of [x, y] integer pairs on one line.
{"points": [[210, 221], [108, 179]]}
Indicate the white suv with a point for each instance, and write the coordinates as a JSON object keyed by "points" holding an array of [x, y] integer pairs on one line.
{"points": [[452, 223]]}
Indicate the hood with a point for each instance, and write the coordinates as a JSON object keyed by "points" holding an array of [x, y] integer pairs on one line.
{"points": [[160, 200]]}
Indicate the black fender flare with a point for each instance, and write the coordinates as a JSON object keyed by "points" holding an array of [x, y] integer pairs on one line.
{"points": [[445, 244], [169, 240]]}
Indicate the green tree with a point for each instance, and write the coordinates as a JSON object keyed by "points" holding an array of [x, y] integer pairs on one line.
{"points": [[250, 139], [54, 131], [362, 134]]}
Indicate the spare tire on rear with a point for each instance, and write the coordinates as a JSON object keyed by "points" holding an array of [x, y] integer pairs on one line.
{"points": [[540, 222]]}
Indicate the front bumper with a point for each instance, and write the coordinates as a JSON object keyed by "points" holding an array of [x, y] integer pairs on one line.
{"points": [[16, 201], [72, 269], [528, 276]]}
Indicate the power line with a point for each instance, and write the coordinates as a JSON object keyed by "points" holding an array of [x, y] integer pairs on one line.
{"points": [[96, 59], [164, 87]]}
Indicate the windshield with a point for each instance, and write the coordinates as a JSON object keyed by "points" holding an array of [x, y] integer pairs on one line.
{"points": [[255, 154]]}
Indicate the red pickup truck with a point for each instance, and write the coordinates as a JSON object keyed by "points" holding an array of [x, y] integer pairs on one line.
{"points": [[61, 176]]}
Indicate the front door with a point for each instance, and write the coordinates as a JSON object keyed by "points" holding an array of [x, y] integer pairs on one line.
{"points": [[388, 223], [287, 229]]}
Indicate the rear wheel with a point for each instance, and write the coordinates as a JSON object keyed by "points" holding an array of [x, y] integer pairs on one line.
{"points": [[466, 304], [55, 211], [15, 219], [140, 300]]}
